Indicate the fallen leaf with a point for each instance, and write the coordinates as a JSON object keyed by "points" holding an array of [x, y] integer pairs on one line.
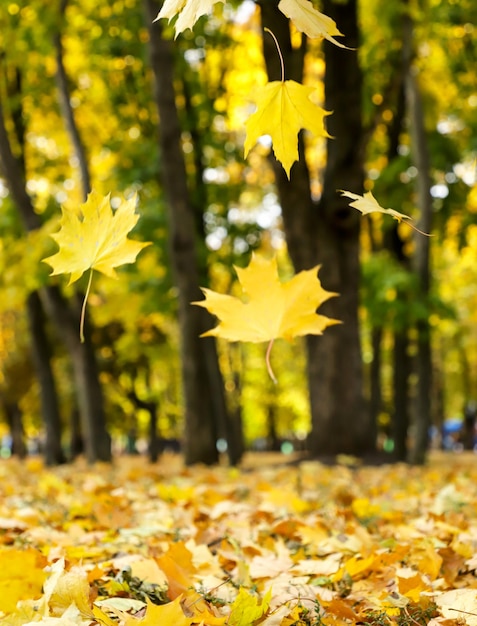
{"points": [[459, 604], [179, 569], [247, 608], [170, 614], [21, 576]]}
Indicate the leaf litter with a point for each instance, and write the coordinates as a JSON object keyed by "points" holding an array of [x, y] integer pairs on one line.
{"points": [[273, 545]]}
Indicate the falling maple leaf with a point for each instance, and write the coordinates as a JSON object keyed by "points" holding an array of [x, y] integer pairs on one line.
{"points": [[188, 11], [283, 109], [368, 204], [95, 239], [310, 21], [273, 309]]}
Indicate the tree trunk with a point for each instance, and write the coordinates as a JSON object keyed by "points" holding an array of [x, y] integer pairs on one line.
{"points": [[41, 355], [400, 417], [340, 417], [65, 317], [329, 234], [375, 386], [420, 153], [67, 109], [204, 398], [13, 416]]}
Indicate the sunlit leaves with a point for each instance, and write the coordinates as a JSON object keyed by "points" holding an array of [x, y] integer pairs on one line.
{"points": [[283, 109], [347, 544]]}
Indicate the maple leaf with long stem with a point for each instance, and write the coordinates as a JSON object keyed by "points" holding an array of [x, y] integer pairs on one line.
{"points": [[273, 309], [283, 109], [95, 238]]}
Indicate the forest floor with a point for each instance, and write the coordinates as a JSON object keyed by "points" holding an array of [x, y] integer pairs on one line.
{"points": [[270, 544]]}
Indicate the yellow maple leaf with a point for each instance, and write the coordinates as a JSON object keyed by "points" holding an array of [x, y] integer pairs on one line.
{"points": [[246, 609], [96, 238], [167, 614], [283, 109], [273, 309], [188, 11], [310, 21], [368, 204]]}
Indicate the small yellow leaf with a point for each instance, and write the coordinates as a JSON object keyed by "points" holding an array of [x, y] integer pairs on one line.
{"points": [[188, 11], [96, 238], [71, 588], [283, 109], [170, 614], [310, 21], [368, 204], [273, 310], [246, 608]]}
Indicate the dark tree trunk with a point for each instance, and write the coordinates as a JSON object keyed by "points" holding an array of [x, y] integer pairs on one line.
{"points": [[375, 386], [76, 437], [400, 417], [420, 152], [65, 316], [204, 398], [67, 109], [13, 415], [340, 420], [41, 355], [151, 407], [328, 233], [273, 442]]}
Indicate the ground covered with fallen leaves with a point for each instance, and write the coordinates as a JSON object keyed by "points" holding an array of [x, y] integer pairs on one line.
{"points": [[272, 545]]}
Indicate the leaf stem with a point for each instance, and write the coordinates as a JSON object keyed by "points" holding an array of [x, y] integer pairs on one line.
{"points": [[267, 361], [83, 308], [282, 64]]}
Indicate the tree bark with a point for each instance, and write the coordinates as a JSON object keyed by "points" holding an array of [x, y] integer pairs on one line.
{"points": [[375, 383], [14, 419], [327, 233], [204, 398], [420, 153], [42, 356], [65, 317], [67, 109]]}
